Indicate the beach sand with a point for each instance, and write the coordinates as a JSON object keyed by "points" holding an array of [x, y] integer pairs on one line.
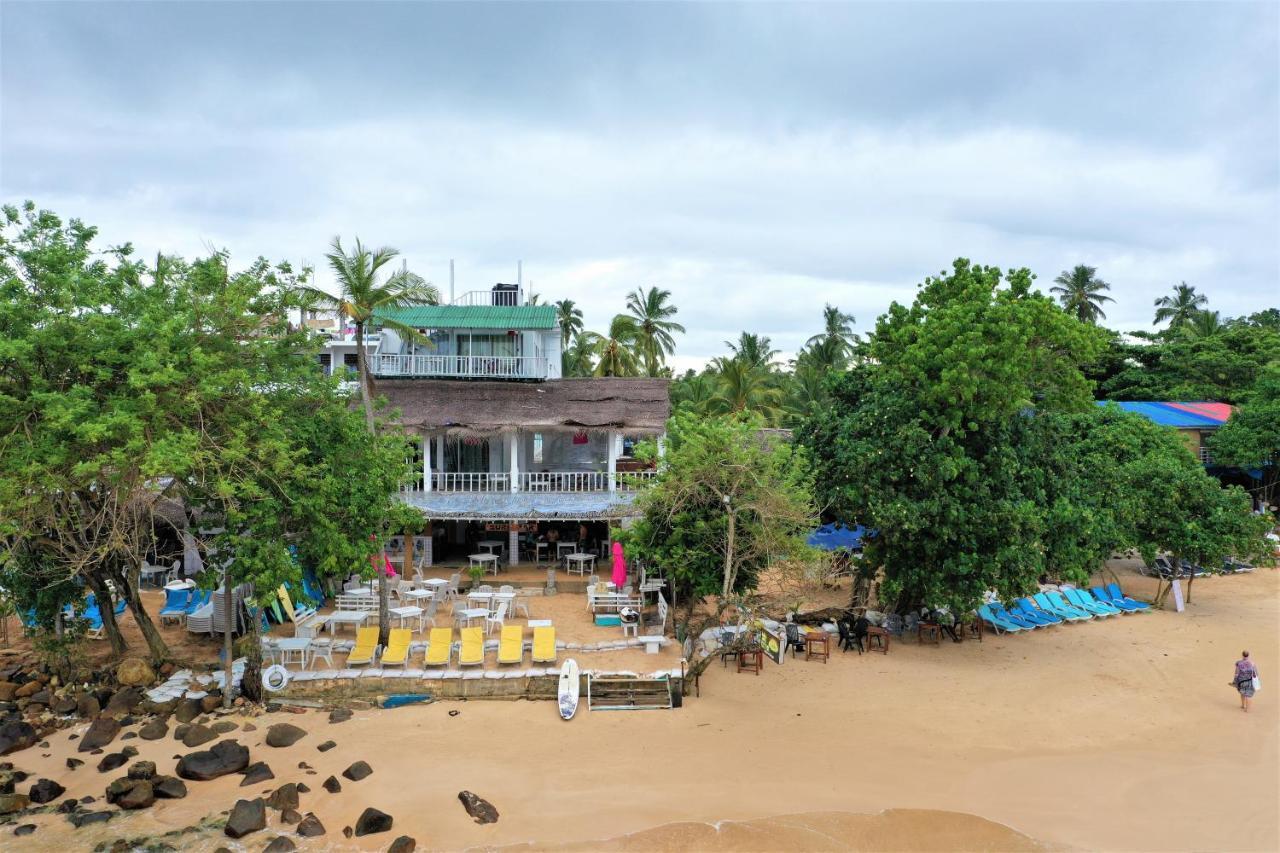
{"points": [[1115, 734]]}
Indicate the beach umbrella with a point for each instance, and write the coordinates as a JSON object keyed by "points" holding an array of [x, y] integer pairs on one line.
{"points": [[619, 567]]}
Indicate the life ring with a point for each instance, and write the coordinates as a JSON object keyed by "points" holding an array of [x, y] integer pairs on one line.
{"points": [[275, 678]]}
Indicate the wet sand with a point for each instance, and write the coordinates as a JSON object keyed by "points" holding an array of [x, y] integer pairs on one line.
{"points": [[1114, 734]]}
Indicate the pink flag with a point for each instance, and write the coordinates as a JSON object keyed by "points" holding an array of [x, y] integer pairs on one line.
{"points": [[619, 567]]}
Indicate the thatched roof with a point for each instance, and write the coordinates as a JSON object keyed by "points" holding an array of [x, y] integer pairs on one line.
{"points": [[508, 506], [637, 406]]}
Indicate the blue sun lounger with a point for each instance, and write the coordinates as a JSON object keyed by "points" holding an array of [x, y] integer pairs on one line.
{"points": [[1086, 602], [1064, 610], [1059, 601], [1118, 596], [1027, 610], [176, 602], [1102, 595], [1018, 619], [1000, 625]]}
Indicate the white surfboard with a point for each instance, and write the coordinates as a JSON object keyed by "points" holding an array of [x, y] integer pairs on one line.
{"points": [[568, 692]]}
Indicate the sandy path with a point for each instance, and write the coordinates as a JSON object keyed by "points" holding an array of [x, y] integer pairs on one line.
{"points": [[1120, 734]]}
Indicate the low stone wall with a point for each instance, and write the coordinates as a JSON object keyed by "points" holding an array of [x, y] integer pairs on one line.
{"points": [[343, 685]]}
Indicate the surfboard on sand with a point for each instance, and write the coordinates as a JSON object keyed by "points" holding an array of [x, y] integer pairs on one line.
{"points": [[568, 692]]}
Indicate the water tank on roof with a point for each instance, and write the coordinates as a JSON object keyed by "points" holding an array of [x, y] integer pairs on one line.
{"points": [[506, 294]]}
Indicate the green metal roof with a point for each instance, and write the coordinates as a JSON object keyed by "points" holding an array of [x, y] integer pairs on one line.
{"points": [[504, 317]]}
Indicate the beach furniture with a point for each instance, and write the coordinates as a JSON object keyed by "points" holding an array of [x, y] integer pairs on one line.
{"points": [[471, 652], [397, 651], [1070, 614], [199, 598], [439, 646], [1060, 602], [511, 644], [1117, 595], [498, 618], [1000, 624], [321, 647], [365, 648], [1016, 618], [544, 644], [1027, 610], [176, 602], [1081, 598]]}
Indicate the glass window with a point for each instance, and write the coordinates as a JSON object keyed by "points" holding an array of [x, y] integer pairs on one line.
{"points": [[537, 448]]}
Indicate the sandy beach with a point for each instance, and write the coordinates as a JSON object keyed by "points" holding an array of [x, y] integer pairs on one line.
{"points": [[1115, 734]]}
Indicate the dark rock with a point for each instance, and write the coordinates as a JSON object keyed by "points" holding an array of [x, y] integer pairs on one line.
{"points": [[347, 831], [166, 669], [87, 706], [16, 735], [280, 844], [10, 803], [290, 817], [128, 736], [303, 789], [357, 771], [225, 757], [8, 691], [372, 821], [142, 770], [187, 710], [248, 727], [197, 735], [284, 734], [101, 732], [46, 791], [181, 729], [41, 697], [169, 788], [140, 796], [210, 703], [403, 844], [7, 781], [65, 705], [68, 805], [284, 797], [154, 730], [310, 826], [326, 746], [256, 773], [80, 819], [246, 816], [302, 765], [339, 715], [73, 763], [86, 800], [112, 761], [129, 751], [25, 829], [332, 785], [222, 727], [124, 701], [480, 809], [27, 690]]}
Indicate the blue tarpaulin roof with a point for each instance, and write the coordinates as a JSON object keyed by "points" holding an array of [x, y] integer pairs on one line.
{"points": [[1177, 415], [834, 536]]}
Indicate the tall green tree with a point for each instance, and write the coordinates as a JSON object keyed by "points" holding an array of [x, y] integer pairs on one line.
{"points": [[837, 339], [579, 358], [651, 312], [570, 317], [1250, 440], [1204, 324], [615, 353], [1179, 307], [744, 387], [364, 291], [753, 351], [1082, 293]]}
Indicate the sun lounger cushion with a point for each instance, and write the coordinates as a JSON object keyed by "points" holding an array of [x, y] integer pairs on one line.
{"points": [[366, 646], [439, 646], [511, 644], [397, 651], [471, 652], [544, 644]]}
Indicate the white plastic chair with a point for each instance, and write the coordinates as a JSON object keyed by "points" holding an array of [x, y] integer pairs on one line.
{"points": [[495, 619], [429, 615], [321, 648]]}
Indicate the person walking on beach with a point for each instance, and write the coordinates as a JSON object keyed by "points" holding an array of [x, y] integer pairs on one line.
{"points": [[1246, 672]]}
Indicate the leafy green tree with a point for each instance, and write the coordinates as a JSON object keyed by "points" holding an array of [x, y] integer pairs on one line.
{"points": [[579, 358], [1223, 366], [570, 317], [752, 351], [650, 312], [1082, 293], [1250, 440], [694, 392], [745, 387], [836, 343], [615, 354], [1180, 307], [1204, 324], [363, 297]]}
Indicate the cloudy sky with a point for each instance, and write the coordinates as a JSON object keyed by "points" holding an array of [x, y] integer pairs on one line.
{"points": [[756, 160]]}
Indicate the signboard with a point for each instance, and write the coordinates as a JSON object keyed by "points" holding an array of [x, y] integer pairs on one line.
{"points": [[1178, 603], [773, 644]]}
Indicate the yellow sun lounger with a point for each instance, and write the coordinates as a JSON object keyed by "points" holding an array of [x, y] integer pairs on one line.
{"points": [[472, 651], [439, 646], [397, 651], [366, 645], [544, 644], [511, 645]]}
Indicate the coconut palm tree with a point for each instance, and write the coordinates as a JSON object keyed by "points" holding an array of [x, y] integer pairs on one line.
{"points": [[753, 351], [1081, 293], [745, 387], [694, 392], [364, 293], [1204, 324], [579, 358], [652, 315], [1179, 308], [570, 317], [837, 338], [615, 353]]}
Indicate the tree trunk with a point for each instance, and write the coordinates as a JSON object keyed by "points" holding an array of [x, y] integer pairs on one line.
{"points": [[366, 382], [384, 599], [728, 556], [155, 642], [1190, 580], [106, 608], [251, 684], [228, 622]]}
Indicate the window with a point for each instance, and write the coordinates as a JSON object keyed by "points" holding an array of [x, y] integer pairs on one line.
{"points": [[326, 363], [537, 448]]}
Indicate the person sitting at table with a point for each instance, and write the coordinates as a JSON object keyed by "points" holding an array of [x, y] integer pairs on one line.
{"points": [[553, 535]]}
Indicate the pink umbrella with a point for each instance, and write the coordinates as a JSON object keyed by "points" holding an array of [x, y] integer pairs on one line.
{"points": [[619, 567]]}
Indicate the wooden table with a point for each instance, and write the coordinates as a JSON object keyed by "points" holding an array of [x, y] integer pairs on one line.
{"points": [[751, 660], [877, 637], [817, 644]]}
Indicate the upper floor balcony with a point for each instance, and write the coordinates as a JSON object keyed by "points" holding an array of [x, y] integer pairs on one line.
{"points": [[435, 366]]}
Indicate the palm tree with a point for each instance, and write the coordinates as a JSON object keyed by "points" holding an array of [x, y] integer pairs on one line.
{"points": [[805, 390], [361, 296], [694, 392], [838, 337], [1081, 293], [1204, 324], [1179, 308], [578, 359], [570, 317], [745, 387], [753, 351], [654, 326], [615, 353]]}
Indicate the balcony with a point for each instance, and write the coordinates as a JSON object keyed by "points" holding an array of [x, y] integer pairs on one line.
{"points": [[1206, 458], [538, 481], [460, 366]]}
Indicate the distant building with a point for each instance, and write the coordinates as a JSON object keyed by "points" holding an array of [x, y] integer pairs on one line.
{"points": [[1195, 422]]}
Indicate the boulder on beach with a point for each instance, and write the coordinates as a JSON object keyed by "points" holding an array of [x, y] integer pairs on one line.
{"points": [[280, 844], [46, 791], [101, 732], [88, 706], [142, 770], [154, 729], [222, 727], [332, 785], [284, 797], [168, 788], [290, 816], [403, 844], [480, 809], [326, 746], [10, 803], [187, 710], [257, 773], [135, 672], [284, 734], [310, 826], [197, 735], [372, 821], [339, 715], [112, 761], [225, 757], [16, 735], [246, 816], [357, 771]]}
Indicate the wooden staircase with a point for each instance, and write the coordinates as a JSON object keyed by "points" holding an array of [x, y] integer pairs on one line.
{"points": [[628, 694]]}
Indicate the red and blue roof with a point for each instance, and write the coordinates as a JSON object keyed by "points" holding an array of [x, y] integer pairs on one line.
{"points": [[1178, 415]]}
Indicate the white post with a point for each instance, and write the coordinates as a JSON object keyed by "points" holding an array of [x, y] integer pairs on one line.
{"points": [[613, 460], [440, 453], [514, 466], [426, 463], [662, 449], [513, 546]]}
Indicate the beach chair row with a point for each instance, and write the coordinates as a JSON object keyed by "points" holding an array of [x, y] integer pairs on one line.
{"points": [[441, 648], [1054, 607]]}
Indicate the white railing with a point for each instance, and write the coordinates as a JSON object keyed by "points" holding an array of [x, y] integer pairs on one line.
{"points": [[564, 481], [491, 297], [470, 482], [478, 366], [1205, 457], [631, 481]]}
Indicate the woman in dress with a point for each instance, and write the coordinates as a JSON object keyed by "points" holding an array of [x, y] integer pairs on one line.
{"points": [[1246, 672]]}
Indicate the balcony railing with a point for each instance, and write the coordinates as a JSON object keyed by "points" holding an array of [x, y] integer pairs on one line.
{"points": [[470, 482], [633, 481], [462, 366], [537, 481], [1206, 457]]}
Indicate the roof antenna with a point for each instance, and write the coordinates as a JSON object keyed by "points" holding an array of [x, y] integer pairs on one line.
{"points": [[451, 297]]}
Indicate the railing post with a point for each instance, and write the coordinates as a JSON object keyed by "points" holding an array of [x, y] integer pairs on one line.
{"points": [[426, 463], [513, 452], [613, 460]]}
